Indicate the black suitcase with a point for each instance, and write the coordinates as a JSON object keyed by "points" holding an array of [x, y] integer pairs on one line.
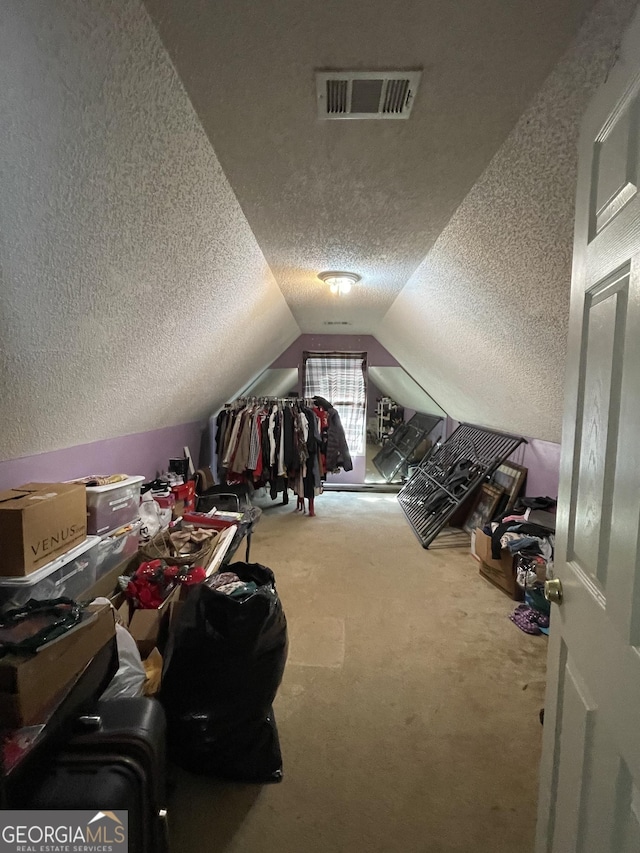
{"points": [[116, 761]]}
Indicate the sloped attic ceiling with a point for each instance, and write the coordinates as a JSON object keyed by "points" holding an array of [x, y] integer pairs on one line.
{"points": [[482, 322], [367, 196], [133, 292]]}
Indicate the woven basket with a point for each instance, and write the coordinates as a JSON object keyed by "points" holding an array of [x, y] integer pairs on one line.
{"points": [[161, 548]]}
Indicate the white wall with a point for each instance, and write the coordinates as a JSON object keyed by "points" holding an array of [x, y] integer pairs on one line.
{"points": [[133, 294], [482, 323]]}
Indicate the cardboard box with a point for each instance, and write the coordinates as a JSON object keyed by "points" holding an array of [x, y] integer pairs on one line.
{"points": [[28, 684], [145, 628], [500, 572], [39, 522], [149, 628]]}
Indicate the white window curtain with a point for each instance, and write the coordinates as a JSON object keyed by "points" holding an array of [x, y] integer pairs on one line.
{"points": [[340, 379]]}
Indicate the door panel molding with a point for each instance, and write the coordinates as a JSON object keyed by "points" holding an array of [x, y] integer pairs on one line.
{"points": [[615, 162]]}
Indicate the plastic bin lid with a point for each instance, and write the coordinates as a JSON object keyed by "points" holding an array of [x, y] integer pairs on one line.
{"points": [[130, 481], [49, 568]]}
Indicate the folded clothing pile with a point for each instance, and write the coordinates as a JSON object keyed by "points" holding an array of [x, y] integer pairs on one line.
{"points": [[230, 584], [516, 531]]}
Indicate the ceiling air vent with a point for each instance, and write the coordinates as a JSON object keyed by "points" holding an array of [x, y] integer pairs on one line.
{"points": [[336, 323], [366, 94]]}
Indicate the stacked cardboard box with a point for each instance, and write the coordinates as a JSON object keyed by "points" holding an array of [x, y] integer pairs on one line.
{"points": [[39, 522], [149, 628], [31, 683], [500, 572]]}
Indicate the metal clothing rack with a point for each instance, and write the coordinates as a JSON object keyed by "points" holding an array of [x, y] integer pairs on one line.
{"points": [[446, 478], [239, 402], [268, 402]]}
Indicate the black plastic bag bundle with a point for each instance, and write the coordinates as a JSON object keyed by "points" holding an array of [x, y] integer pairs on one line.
{"points": [[223, 666]]}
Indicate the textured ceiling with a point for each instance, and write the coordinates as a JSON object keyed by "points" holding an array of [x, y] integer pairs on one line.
{"points": [[133, 293], [483, 321], [366, 196]]}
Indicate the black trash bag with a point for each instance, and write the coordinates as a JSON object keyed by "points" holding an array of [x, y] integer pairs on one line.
{"points": [[223, 666]]}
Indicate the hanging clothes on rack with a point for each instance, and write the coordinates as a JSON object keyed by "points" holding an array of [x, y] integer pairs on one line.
{"points": [[282, 444], [337, 450]]}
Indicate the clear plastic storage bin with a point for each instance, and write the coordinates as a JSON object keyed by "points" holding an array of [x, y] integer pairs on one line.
{"points": [[117, 547], [112, 506], [71, 575]]}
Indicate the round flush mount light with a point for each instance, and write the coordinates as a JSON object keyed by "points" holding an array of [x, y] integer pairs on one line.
{"points": [[339, 282]]}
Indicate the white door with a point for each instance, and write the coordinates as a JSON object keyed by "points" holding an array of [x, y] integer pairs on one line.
{"points": [[590, 771]]}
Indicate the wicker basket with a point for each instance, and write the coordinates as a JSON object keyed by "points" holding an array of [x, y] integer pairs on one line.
{"points": [[162, 548]]}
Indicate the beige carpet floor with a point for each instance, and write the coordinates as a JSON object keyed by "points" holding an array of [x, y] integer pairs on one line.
{"points": [[408, 715]]}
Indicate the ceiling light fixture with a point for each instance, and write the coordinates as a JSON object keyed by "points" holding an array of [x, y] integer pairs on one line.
{"points": [[339, 282]]}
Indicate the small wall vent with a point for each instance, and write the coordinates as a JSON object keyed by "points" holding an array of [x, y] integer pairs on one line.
{"points": [[366, 94]]}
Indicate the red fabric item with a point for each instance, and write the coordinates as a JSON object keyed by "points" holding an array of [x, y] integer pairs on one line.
{"points": [[324, 426], [172, 572], [195, 575], [187, 493], [165, 501], [153, 581], [260, 464], [149, 598], [148, 587]]}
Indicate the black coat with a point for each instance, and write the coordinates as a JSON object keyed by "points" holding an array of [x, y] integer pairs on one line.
{"points": [[338, 455]]}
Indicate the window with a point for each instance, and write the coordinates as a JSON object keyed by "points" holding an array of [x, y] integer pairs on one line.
{"points": [[339, 377]]}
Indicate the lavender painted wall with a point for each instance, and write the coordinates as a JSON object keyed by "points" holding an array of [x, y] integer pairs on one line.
{"points": [[373, 392], [409, 413], [141, 453], [541, 458], [376, 353], [451, 425]]}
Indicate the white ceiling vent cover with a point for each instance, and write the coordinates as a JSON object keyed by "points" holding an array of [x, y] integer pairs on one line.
{"points": [[366, 94]]}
